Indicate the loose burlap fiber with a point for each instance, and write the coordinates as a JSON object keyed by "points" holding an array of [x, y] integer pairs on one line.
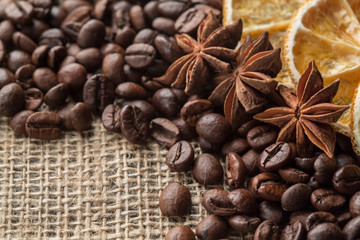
{"points": [[90, 185]]}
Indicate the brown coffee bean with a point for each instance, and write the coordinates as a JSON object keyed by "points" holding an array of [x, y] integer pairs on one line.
{"points": [[261, 137], [213, 127], [325, 231], [112, 67], [180, 157], [327, 200], [180, 232], [313, 183], [25, 72], [237, 145], [189, 21], [167, 48], [352, 229], [211, 228], [70, 6], [207, 170], [243, 223], [151, 10], [57, 95], [19, 12], [124, 36], [137, 17], [187, 132], [131, 90], [134, 125], [316, 218], [300, 216], [243, 130], [16, 59], [173, 9], [18, 121], [305, 164], [295, 231], [80, 116], [293, 175], [344, 159], [109, 48], [140, 55], [235, 170], [145, 106], [2, 52], [271, 211], [267, 230], [175, 200], [157, 68], [296, 197], [324, 168], [24, 42], [354, 205], [72, 29], [63, 112], [164, 132], [56, 16], [44, 125], [146, 35], [100, 8], [40, 55], [274, 157], [209, 147], [45, 79], [149, 84], [250, 159], [217, 201], [164, 25], [6, 77], [56, 56], [168, 102], [12, 99], [91, 34], [33, 99], [193, 110], [243, 201], [73, 75], [346, 180], [110, 118], [268, 186], [90, 58], [7, 29], [52, 37], [343, 218]]}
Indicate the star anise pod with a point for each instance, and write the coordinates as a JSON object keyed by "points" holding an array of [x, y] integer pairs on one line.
{"points": [[308, 114], [246, 87], [212, 50]]}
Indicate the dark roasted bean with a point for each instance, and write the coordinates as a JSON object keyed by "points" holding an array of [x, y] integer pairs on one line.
{"points": [[90, 58], [175, 200], [187, 132], [33, 99], [91, 34], [352, 229], [261, 137], [189, 21], [327, 200], [180, 157], [44, 125], [316, 218], [295, 231], [213, 127], [217, 201], [45, 79], [18, 121], [110, 118], [354, 205], [134, 124], [243, 223], [274, 157], [12, 99], [201, 171], [325, 231], [131, 90], [140, 55], [235, 170], [193, 110], [164, 132], [267, 230], [180, 232], [293, 175], [112, 67], [271, 211], [57, 95], [268, 186], [73, 75], [212, 227], [145, 106], [296, 197], [346, 180], [324, 168]]}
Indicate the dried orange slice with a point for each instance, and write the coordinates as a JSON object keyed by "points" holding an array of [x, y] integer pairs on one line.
{"points": [[327, 31]]}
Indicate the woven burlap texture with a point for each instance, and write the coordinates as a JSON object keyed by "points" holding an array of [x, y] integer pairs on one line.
{"points": [[90, 185]]}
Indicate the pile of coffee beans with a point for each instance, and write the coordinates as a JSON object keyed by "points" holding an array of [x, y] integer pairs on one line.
{"points": [[64, 64]]}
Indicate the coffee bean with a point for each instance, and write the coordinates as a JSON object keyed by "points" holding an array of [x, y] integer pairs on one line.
{"points": [[57, 95], [295, 231], [130, 90], [73, 75], [175, 200], [235, 170], [25, 72], [354, 205], [90, 58], [12, 99], [80, 116], [300, 216], [271, 211], [56, 56], [2, 52], [131, 74], [305, 164], [352, 229], [52, 37], [180, 232], [325, 231], [293, 175], [134, 125], [296, 197], [149, 84], [237, 145], [207, 170], [16, 59], [217, 201], [100, 8], [19, 12], [243, 223], [209, 147], [140, 55], [67, 61], [243, 201], [164, 25], [164, 132], [18, 121], [6, 77], [45, 79], [343, 218], [157, 68], [145, 106], [110, 118], [346, 180], [344, 159], [70, 6], [151, 10], [274, 157], [109, 48], [112, 67], [64, 111], [213, 127], [40, 55], [167, 102], [7, 29], [33, 99], [250, 159], [44, 125], [167, 48], [173, 9], [316, 218], [327, 200], [124, 36], [313, 183], [261, 137], [267, 230], [268, 186], [120, 17], [72, 29], [193, 110], [137, 17], [24, 42], [91, 34], [324, 168], [180, 157], [56, 16], [187, 132], [243, 130], [212, 227], [34, 29], [146, 35], [189, 21]]}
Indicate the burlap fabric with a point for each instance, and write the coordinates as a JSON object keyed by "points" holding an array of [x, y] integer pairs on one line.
{"points": [[91, 185]]}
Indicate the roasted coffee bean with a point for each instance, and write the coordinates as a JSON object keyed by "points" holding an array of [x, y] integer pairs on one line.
{"points": [[189, 21], [100, 8], [56, 16], [57, 95], [44, 125], [243, 201], [80, 116], [305, 164], [295, 231], [352, 229], [12, 99], [41, 8], [211, 228], [35, 29], [149, 84], [250, 159], [90, 58], [131, 90], [193, 110], [7, 28], [164, 132], [140, 55], [207, 170], [137, 17], [91, 34], [70, 6], [112, 67], [16, 59], [274, 157], [243, 130], [73, 75], [157, 68], [67, 61], [24, 42], [180, 157], [19, 12], [325, 231], [25, 72], [124, 36], [235, 170], [18, 121], [354, 205], [110, 118], [343, 218], [268, 186], [72, 29], [213, 127], [55, 57], [300, 216], [2, 52], [327, 200], [40, 55], [271, 211], [73, 49], [45, 79], [293, 175], [167, 48], [175, 200], [109, 48], [209, 147], [134, 124], [344, 159], [324, 168], [346, 180], [164, 25], [52, 37], [131, 74], [187, 132], [237, 145], [296, 197], [168, 102], [316, 218], [313, 183], [145, 106], [63, 112], [244, 223], [120, 17], [6, 77], [151, 10], [33, 98], [261, 137], [98, 92], [180, 232], [267, 230], [146, 35], [217, 201]]}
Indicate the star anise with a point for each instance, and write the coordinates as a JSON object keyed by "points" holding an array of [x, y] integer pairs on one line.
{"points": [[212, 50], [246, 87], [308, 114]]}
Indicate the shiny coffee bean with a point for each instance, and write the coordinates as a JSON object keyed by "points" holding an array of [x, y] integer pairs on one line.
{"points": [[209, 147], [316, 218], [250, 159], [325, 231], [164, 25], [137, 17], [52, 37], [56, 16], [124, 36], [25, 72], [300, 216], [40, 55], [157, 68], [110, 118], [295, 231], [168, 101], [217, 201], [313, 183], [151, 10], [131, 90], [131, 74], [213, 127], [193, 110], [12, 100], [134, 124], [175, 200], [271, 211], [324, 168], [244, 223], [344, 159], [164, 132], [145, 106], [180, 232], [23, 42], [189, 21], [237, 145], [187, 132], [35, 29], [55, 57], [171, 8], [346, 180], [268, 186], [6, 77], [243, 130], [44, 125], [146, 35], [212, 227], [80, 116], [267, 230], [16, 59], [19, 12], [343, 218], [72, 29], [207, 170], [243, 201], [275, 157], [109, 48], [7, 28], [45, 79], [327, 200], [57, 95], [150, 84], [261, 137], [18, 122], [33, 99], [140, 55], [235, 170], [167, 48], [73, 75], [352, 229], [354, 205], [91, 34], [112, 67], [90, 58], [180, 157], [296, 197], [293, 175], [63, 112]]}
